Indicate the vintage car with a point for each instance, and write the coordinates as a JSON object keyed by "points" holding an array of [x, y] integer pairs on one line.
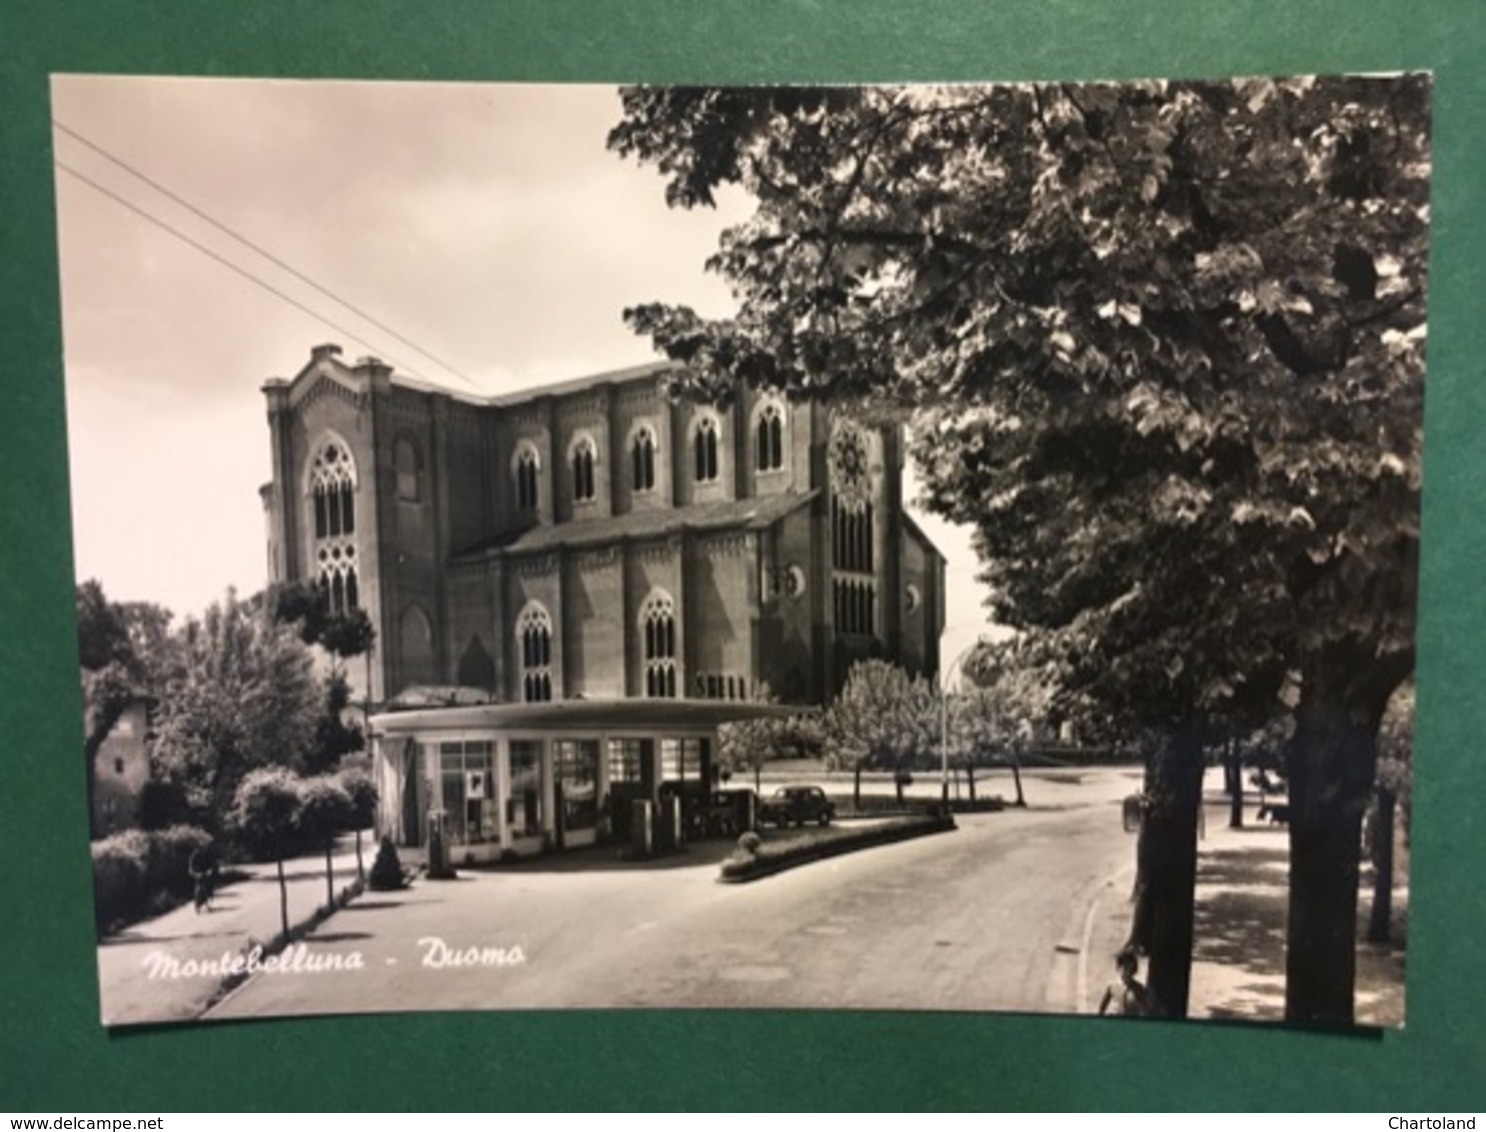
{"points": [[798, 804]]}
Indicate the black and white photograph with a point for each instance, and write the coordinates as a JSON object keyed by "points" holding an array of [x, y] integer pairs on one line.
{"points": [[922, 547]]}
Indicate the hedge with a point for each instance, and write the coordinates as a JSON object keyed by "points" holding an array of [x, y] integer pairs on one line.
{"points": [[755, 858], [138, 873]]}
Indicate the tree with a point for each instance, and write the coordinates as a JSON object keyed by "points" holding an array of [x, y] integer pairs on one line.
{"points": [[125, 655], [246, 698], [1390, 794], [1172, 338], [265, 816], [362, 790], [107, 682], [747, 744], [882, 720], [1012, 700], [326, 810], [344, 635]]}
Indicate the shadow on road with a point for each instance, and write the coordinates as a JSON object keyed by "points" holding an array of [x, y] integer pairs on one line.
{"points": [[1226, 867], [1242, 930]]}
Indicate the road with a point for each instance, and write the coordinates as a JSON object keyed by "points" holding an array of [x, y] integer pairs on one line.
{"points": [[992, 916]]}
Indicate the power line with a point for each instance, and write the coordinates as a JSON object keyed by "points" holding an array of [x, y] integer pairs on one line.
{"points": [[273, 259], [244, 272]]}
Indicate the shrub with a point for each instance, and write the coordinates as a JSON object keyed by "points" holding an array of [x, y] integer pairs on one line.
{"points": [[386, 870], [136, 873], [749, 843], [167, 866]]}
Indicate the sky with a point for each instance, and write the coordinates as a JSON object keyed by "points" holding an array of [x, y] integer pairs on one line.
{"points": [[486, 228]]}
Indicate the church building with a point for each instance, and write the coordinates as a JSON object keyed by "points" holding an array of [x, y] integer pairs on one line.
{"points": [[591, 541]]}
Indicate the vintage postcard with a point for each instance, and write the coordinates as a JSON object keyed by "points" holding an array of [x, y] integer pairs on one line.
{"points": [[924, 547]]}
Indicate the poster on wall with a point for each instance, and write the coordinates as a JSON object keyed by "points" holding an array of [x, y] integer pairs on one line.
{"points": [[919, 547]]}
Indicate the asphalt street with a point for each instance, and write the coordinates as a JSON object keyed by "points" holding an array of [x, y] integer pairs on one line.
{"points": [[997, 915]]}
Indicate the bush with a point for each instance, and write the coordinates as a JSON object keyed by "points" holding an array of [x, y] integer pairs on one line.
{"points": [[386, 870], [749, 843], [136, 873]]}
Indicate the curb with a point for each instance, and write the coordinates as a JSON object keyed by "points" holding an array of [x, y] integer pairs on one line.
{"points": [[280, 942]]}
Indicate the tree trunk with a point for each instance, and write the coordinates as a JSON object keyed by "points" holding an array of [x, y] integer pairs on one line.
{"points": [[1016, 775], [758, 778], [1331, 768], [360, 867], [1379, 923], [856, 788], [329, 876], [1166, 866], [283, 898], [970, 780], [1233, 780]]}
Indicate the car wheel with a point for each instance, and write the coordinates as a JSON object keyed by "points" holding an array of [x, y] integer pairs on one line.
{"points": [[825, 818]]}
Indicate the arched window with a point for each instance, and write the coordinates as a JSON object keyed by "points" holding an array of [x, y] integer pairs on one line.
{"points": [[704, 444], [409, 465], [658, 632], [768, 438], [642, 459], [332, 490], [585, 451], [333, 485], [853, 561], [534, 639], [527, 467]]}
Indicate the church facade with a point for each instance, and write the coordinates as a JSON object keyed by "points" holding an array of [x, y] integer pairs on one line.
{"points": [[594, 541]]}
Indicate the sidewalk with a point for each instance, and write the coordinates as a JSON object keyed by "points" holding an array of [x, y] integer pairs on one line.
{"points": [[242, 914], [1238, 955]]}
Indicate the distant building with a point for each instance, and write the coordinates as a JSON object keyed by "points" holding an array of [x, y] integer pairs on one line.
{"points": [[593, 540], [121, 767]]}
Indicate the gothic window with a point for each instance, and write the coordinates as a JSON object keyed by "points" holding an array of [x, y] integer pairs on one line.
{"points": [[658, 632], [854, 579], [584, 453], [527, 469], [534, 639], [333, 484], [704, 445], [769, 438], [851, 536], [333, 498], [409, 466], [642, 458]]}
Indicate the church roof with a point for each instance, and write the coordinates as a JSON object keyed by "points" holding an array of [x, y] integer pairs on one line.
{"points": [[750, 514]]}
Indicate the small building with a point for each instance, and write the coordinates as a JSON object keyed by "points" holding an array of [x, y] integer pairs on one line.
{"points": [[121, 768], [520, 779]]}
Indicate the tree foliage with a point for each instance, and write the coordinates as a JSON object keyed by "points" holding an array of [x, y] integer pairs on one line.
{"points": [[746, 745], [882, 720], [246, 698], [1167, 344], [307, 608], [326, 810], [124, 654], [264, 816]]}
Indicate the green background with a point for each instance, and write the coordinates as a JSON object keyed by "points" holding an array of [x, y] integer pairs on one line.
{"points": [[54, 1055]]}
